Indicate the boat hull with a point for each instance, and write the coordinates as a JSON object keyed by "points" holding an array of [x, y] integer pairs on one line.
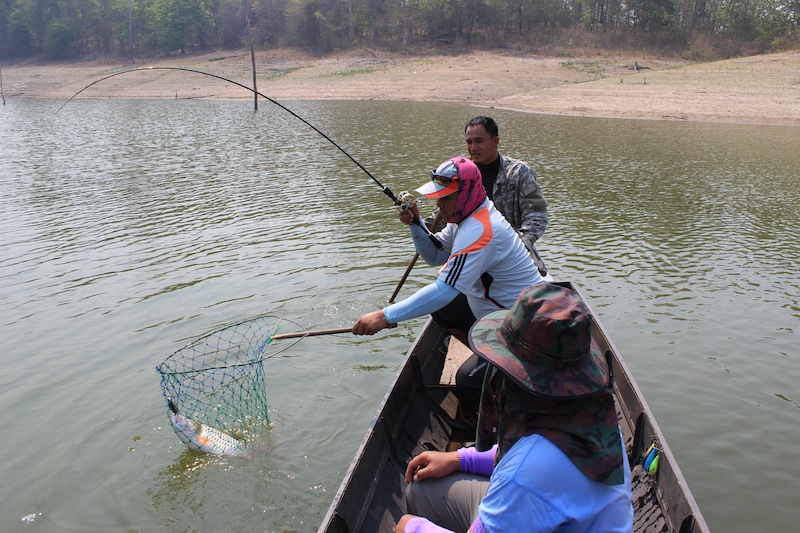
{"points": [[418, 413]]}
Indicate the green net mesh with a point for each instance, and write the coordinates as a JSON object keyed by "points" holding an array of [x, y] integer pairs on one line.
{"points": [[218, 379]]}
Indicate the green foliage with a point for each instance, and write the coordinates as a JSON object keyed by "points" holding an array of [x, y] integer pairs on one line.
{"points": [[352, 72], [270, 26], [59, 42], [656, 14], [230, 23], [590, 67], [65, 28], [20, 39], [182, 24], [774, 26]]}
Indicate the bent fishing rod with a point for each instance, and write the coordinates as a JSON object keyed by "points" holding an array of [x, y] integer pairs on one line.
{"points": [[388, 192]]}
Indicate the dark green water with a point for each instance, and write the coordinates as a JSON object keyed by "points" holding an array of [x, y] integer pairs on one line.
{"points": [[128, 228]]}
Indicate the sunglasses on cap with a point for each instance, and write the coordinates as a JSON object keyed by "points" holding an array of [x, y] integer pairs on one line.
{"points": [[442, 180]]}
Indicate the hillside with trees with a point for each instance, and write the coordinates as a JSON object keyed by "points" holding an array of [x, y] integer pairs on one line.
{"points": [[695, 29]]}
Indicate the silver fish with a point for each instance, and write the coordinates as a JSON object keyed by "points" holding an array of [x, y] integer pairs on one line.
{"points": [[202, 438]]}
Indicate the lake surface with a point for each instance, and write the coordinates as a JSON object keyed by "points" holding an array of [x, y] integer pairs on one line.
{"points": [[129, 228]]}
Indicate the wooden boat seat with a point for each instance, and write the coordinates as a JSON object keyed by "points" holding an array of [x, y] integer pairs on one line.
{"points": [[457, 353]]}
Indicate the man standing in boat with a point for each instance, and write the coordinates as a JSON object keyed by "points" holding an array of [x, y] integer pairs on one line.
{"points": [[510, 183], [483, 258], [547, 433]]}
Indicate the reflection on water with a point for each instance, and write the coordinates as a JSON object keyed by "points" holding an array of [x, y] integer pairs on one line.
{"points": [[130, 228]]}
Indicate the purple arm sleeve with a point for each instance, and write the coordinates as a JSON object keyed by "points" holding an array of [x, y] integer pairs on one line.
{"points": [[423, 525], [477, 525], [475, 462]]}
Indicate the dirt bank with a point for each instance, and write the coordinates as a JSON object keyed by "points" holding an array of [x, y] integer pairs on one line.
{"points": [[756, 90]]}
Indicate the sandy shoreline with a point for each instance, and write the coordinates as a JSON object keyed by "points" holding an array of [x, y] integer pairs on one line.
{"points": [[752, 90]]}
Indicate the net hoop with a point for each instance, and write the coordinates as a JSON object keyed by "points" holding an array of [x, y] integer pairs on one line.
{"points": [[219, 379]]}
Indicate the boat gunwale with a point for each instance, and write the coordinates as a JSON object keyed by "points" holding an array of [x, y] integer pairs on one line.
{"points": [[646, 430], [668, 486]]}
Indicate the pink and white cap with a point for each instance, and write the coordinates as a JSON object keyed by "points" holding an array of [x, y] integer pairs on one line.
{"points": [[444, 181], [457, 174]]}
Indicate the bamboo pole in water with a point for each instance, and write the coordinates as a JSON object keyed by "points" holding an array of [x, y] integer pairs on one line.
{"points": [[252, 52], [312, 333]]}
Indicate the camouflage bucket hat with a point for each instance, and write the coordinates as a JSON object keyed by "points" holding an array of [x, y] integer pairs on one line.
{"points": [[544, 343]]}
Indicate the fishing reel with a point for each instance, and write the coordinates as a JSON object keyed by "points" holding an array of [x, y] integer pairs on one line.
{"points": [[405, 200]]}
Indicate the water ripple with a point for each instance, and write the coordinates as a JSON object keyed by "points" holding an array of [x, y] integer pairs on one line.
{"points": [[129, 228]]}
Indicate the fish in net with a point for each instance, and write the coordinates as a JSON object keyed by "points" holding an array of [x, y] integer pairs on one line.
{"points": [[215, 387]]}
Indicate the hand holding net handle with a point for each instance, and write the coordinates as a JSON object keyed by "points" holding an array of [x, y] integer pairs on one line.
{"points": [[311, 333], [314, 333]]}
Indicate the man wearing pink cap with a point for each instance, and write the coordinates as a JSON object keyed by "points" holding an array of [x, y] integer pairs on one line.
{"points": [[482, 256]]}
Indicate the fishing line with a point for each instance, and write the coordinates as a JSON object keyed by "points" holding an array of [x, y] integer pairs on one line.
{"points": [[388, 192]]}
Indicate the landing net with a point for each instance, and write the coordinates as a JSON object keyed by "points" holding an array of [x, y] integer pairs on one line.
{"points": [[218, 379]]}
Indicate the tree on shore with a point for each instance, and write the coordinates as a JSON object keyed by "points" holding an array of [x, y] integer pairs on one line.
{"points": [[59, 29]]}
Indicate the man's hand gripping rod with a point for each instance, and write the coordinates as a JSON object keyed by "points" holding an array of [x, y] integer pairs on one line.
{"points": [[404, 201]]}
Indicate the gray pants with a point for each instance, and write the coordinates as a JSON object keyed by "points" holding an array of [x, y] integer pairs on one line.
{"points": [[450, 502]]}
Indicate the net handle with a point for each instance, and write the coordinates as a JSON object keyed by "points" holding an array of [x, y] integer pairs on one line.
{"points": [[312, 333]]}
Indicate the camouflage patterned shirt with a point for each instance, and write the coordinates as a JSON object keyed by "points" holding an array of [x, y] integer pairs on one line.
{"points": [[516, 194]]}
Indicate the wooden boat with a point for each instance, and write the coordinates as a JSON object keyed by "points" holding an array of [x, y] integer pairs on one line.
{"points": [[418, 413]]}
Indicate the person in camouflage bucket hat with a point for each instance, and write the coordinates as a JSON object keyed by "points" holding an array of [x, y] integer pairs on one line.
{"points": [[547, 432], [544, 343]]}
